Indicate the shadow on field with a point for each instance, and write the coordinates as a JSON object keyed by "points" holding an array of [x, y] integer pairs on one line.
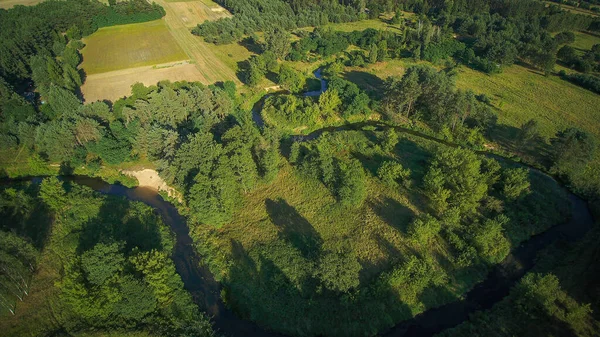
{"points": [[367, 82], [294, 228], [371, 163], [394, 213], [507, 137], [249, 44], [120, 221]]}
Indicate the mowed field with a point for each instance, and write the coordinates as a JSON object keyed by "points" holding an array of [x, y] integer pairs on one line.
{"points": [[130, 46], [117, 57]]}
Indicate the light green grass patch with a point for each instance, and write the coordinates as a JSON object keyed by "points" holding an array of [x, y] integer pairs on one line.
{"points": [[520, 94], [361, 25], [6, 4], [585, 40], [129, 46]]}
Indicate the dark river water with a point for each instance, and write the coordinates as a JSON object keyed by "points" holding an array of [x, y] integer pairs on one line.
{"points": [[205, 290]]}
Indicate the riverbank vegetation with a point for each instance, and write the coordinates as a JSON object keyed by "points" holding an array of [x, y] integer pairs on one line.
{"points": [[78, 261]]}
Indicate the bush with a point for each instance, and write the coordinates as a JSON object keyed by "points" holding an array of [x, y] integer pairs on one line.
{"points": [[424, 228], [391, 171]]}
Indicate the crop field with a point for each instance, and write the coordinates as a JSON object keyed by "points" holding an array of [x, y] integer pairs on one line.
{"points": [[155, 51], [210, 67], [129, 46]]}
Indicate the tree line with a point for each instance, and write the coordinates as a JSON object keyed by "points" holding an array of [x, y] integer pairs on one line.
{"points": [[26, 31], [113, 263], [250, 16]]}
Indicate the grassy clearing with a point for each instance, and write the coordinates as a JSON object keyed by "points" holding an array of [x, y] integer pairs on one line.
{"points": [[361, 25], [517, 94], [192, 12], [6, 4], [35, 314], [128, 46], [584, 41]]}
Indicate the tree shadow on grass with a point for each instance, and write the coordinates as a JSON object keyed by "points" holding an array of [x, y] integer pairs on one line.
{"points": [[413, 157], [250, 45], [294, 228], [371, 163], [119, 220], [369, 83], [394, 213], [535, 149]]}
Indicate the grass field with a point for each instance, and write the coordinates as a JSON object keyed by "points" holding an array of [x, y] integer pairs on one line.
{"points": [[6, 4], [129, 46], [517, 94], [191, 13], [585, 40], [520, 94]]}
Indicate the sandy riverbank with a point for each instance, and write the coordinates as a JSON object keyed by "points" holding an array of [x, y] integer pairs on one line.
{"points": [[150, 178]]}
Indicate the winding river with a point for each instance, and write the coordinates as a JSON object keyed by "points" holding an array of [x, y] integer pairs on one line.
{"points": [[205, 290]]}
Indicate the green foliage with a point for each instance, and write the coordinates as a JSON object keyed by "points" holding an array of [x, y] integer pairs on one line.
{"points": [[455, 178], [413, 276], [490, 241], [277, 41], [391, 171], [214, 196], [390, 139], [571, 149], [102, 263], [329, 101], [516, 183], [537, 304], [290, 79], [352, 190], [424, 229], [273, 13], [339, 271], [53, 193]]}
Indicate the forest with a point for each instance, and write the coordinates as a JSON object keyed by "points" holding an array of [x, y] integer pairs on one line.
{"points": [[327, 207]]}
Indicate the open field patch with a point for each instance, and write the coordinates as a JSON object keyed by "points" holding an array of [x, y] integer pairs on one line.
{"points": [[6, 4], [128, 46], [585, 40], [520, 94], [116, 84], [191, 13], [208, 64]]}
